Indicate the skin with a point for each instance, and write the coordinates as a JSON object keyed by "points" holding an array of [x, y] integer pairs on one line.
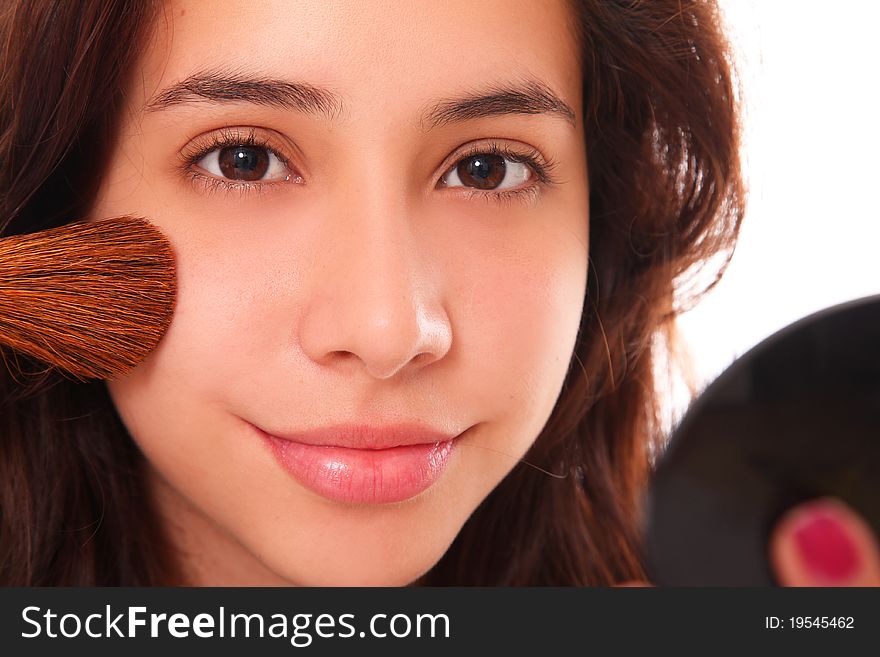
{"points": [[357, 291]]}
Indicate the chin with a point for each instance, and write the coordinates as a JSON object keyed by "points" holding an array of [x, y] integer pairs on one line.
{"points": [[380, 559], [378, 578], [356, 572]]}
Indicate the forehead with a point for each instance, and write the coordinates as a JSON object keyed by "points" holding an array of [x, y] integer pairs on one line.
{"points": [[382, 54]]}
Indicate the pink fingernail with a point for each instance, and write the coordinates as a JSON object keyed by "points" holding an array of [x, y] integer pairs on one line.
{"points": [[825, 545]]}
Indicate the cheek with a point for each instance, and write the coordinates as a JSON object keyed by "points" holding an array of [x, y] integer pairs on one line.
{"points": [[174, 403], [219, 331], [520, 311]]}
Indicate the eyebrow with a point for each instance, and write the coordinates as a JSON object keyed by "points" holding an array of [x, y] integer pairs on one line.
{"points": [[529, 97], [221, 87]]}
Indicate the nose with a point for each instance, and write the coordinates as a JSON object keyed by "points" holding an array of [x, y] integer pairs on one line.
{"points": [[375, 298]]}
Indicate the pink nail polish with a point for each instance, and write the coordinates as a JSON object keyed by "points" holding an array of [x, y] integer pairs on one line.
{"points": [[826, 547]]}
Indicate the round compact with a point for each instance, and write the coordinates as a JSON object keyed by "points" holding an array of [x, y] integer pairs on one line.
{"points": [[797, 417]]}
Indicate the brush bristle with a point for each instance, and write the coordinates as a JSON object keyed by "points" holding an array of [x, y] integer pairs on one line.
{"points": [[92, 299]]}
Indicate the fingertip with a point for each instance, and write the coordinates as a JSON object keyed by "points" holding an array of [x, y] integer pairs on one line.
{"points": [[824, 543]]}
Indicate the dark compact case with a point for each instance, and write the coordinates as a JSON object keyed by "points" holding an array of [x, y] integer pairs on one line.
{"points": [[797, 417]]}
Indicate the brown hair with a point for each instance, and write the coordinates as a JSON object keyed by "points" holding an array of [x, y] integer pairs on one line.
{"points": [[662, 139]]}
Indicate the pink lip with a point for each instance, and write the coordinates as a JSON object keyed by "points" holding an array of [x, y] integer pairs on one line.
{"points": [[361, 464]]}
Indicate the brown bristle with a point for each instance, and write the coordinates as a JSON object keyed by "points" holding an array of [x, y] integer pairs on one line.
{"points": [[92, 299]]}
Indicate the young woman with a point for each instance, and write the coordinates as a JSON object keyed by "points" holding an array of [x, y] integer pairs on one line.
{"points": [[424, 252]]}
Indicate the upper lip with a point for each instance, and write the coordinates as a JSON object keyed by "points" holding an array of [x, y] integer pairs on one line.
{"points": [[363, 436]]}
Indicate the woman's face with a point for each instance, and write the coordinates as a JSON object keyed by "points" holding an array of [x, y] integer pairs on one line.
{"points": [[379, 212]]}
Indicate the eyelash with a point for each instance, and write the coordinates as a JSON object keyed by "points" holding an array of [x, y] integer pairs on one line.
{"points": [[541, 167]]}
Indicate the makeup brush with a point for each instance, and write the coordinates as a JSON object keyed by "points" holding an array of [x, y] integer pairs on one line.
{"points": [[91, 299]]}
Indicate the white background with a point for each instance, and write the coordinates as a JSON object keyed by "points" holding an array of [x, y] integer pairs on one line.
{"points": [[810, 237]]}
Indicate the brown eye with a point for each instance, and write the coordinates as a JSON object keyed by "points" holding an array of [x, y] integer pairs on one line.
{"points": [[243, 162], [483, 171], [489, 171]]}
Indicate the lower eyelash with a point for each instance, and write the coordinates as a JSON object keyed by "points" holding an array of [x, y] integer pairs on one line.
{"points": [[210, 184], [508, 196]]}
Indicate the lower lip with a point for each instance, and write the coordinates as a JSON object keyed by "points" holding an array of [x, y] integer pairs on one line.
{"points": [[362, 476]]}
